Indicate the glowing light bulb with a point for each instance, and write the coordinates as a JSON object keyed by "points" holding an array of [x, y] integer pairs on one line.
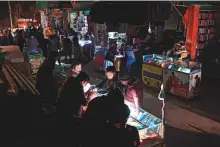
{"points": [[149, 29]]}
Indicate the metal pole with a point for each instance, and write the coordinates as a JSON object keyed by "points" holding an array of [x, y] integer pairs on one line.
{"points": [[9, 7], [162, 98]]}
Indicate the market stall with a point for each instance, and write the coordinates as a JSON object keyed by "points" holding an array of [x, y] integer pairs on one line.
{"points": [[152, 69], [182, 78], [150, 128]]}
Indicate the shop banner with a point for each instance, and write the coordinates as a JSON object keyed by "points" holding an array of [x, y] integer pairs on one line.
{"points": [[176, 83], [152, 75], [181, 84], [195, 85]]}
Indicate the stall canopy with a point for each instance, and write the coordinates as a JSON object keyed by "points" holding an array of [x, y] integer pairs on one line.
{"points": [[129, 12]]}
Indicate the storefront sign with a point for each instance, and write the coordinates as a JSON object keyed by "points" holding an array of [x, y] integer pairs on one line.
{"points": [[152, 75]]}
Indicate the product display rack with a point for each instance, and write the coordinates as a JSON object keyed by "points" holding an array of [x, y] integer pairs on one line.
{"points": [[206, 30]]}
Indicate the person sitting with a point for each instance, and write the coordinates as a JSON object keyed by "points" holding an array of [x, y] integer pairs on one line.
{"points": [[111, 78], [75, 69]]}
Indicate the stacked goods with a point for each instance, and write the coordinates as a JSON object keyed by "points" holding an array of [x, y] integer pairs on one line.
{"points": [[12, 87], [17, 80], [35, 61]]}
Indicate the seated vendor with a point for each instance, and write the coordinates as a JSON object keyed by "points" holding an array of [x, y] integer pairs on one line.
{"points": [[129, 92], [75, 69], [111, 78], [178, 52]]}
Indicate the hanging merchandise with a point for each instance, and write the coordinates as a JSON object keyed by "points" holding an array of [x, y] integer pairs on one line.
{"points": [[73, 16], [44, 18], [100, 35], [191, 22]]}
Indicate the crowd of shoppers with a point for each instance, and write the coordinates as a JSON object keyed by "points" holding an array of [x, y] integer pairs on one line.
{"points": [[101, 121]]}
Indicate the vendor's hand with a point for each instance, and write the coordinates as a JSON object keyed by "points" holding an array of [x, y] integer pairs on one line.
{"points": [[92, 95], [95, 89]]}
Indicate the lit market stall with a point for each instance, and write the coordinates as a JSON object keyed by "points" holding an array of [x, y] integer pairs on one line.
{"points": [[152, 69], [150, 128], [182, 78]]}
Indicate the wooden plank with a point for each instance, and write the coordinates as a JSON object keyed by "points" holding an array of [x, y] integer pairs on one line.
{"points": [[23, 80], [13, 89], [29, 82], [16, 78]]}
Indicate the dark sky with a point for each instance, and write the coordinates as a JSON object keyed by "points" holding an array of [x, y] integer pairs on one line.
{"points": [[4, 9]]}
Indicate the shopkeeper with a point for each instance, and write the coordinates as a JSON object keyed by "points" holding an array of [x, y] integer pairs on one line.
{"points": [[75, 69], [129, 92], [178, 52], [110, 80]]}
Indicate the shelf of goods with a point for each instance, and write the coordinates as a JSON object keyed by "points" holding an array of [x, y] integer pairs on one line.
{"points": [[182, 78], [150, 128], [152, 69], [206, 29], [99, 58]]}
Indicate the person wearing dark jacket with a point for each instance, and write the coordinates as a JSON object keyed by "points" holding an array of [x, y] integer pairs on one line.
{"points": [[118, 133], [46, 83], [69, 106], [10, 38], [20, 39], [67, 47], [111, 78], [4, 41], [97, 114], [72, 96]]}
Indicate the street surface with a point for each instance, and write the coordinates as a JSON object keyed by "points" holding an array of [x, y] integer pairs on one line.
{"points": [[184, 127]]}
